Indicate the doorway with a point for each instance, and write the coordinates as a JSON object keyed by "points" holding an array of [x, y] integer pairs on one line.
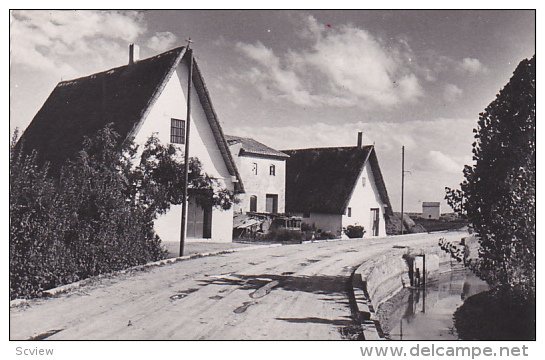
{"points": [[271, 205], [375, 221], [199, 220]]}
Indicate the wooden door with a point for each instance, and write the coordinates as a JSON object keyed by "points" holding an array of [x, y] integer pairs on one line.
{"points": [[195, 219]]}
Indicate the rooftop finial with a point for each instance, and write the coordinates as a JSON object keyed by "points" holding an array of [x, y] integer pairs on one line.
{"points": [[189, 41]]}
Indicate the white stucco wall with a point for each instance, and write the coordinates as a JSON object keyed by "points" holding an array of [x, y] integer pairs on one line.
{"points": [[172, 104], [431, 212], [363, 199], [261, 184], [324, 222]]}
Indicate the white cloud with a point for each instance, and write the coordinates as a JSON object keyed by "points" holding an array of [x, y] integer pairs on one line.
{"points": [[162, 41], [436, 160], [67, 42], [472, 66], [76, 43], [346, 66], [272, 79], [451, 92]]}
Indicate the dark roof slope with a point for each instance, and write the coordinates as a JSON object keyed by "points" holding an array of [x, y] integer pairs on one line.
{"points": [[122, 96], [323, 179], [213, 120], [253, 147], [80, 107]]}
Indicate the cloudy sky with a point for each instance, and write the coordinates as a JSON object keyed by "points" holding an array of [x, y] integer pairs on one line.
{"points": [[296, 79]]}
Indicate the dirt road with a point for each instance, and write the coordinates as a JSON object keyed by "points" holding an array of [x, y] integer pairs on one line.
{"points": [[289, 292]]}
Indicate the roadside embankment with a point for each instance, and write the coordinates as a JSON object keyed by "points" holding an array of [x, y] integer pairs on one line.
{"points": [[383, 276]]}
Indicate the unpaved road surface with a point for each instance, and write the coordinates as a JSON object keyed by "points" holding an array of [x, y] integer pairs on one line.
{"points": [[289, 292]]}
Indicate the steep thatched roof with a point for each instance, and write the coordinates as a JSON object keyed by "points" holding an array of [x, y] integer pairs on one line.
{"points": [[122, 96], [322, 179], [252, 147]]}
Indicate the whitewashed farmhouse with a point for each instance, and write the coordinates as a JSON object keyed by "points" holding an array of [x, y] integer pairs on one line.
{"points": [[263, 205], [263, 171], [332, 188], [142, 98]]}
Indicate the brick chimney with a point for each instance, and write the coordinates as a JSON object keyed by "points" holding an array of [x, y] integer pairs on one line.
{"points": [[360, 139], [134, 53]]}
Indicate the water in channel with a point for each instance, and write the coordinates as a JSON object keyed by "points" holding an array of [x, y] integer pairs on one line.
{"points": [[418, 314]]}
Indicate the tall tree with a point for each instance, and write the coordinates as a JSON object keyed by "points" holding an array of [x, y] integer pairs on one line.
{"points": [[499, 189], [498, 192]]}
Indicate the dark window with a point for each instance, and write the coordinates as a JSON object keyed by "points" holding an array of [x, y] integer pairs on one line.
{"points": [[349, 212], [177, 131], [253, 203], [272, 170], [254, 168]]}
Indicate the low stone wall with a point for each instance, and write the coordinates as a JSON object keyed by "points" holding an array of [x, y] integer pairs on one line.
{"points": [[385, 275]]}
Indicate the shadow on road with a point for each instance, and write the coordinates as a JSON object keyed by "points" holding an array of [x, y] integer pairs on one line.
{"points": [[317, 284], [337, 322]]}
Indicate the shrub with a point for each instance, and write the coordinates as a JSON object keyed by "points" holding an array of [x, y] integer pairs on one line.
{"points": [[36, 216], [308, 227], [326, 235], [354, 231], [97, 216], [284, 235]]}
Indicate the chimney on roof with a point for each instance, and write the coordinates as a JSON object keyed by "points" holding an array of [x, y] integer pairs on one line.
{"points": [[360, 139], [134, 53]]}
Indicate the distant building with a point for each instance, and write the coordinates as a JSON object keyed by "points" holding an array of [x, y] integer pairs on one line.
{"points": [[431, 210], [333, 188], [263, 171]]}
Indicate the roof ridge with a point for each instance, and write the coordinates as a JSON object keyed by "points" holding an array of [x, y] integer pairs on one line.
{"points": [[330, 148], [66, 82], [255, 147]]}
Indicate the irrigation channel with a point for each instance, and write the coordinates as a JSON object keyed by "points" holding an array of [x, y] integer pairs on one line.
{"points": [[427, 313]]}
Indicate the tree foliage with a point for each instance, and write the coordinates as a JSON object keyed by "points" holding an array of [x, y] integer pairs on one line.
{"points": [[499, 189], [455, 199], [97, 216]]}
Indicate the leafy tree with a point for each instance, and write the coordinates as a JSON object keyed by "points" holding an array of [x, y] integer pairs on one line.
{"points": [[455, 199], [499, 189], [157, 181], [97, 216]]}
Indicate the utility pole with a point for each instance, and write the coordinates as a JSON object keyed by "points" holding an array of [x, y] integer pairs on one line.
{"points": [[402, 184], [183, 226]]}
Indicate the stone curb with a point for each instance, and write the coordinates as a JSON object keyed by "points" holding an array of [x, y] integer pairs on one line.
{"points": [[368, 320], [370, 324], [69, 287]]}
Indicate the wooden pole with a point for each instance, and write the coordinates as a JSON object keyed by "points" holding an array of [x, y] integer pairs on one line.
{"points": [[402, 184], [424, 271], [183, 227]]}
